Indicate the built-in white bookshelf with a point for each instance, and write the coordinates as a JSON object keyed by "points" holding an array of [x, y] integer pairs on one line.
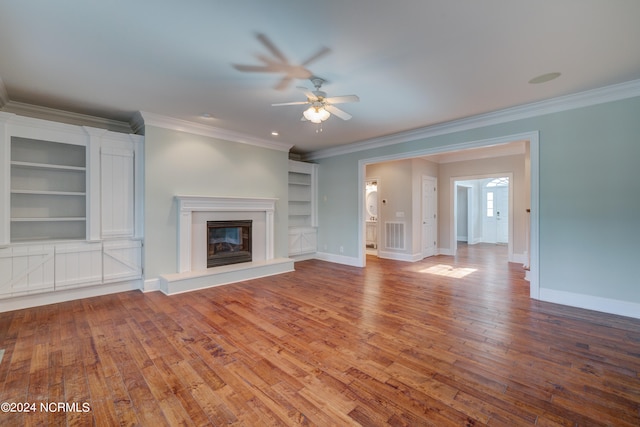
{"points": [[302, 193], [48, 190], [70, 211], [300, 213], [302, 207]]}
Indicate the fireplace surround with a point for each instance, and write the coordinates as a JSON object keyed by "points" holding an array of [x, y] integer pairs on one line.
{"points": [[195, 211], [193, 214]]}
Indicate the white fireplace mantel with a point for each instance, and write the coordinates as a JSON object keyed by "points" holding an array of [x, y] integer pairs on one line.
{"points": [[187, 205]]}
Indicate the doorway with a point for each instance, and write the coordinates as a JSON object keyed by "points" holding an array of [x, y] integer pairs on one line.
{"points": [[531, 198], [482, 210], [496, 212], [371, 217], [465, 211]]}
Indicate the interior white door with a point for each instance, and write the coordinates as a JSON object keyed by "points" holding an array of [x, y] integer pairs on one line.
{"points": [[502, 214], [495, 224], [429, 216], [489, 228]]}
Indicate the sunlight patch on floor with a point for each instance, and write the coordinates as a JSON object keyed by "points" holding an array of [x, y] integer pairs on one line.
{"points": [[1, 355], [449, 271]]}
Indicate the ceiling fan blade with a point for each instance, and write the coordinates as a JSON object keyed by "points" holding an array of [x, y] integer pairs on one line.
{"points": [[290, 103], [319, 54], [254, 68], [342, 99], [310, 95], [271, 47], [283, 84], [275, 65], [337, 112]]}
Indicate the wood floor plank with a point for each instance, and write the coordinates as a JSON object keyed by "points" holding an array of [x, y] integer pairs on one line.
{"points": [[446, 341]]}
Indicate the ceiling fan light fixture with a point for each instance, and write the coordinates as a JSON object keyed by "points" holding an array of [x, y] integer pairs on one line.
{"points": [[316, 114]]}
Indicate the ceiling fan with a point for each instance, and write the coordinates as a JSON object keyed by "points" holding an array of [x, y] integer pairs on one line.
{"points": [[321, 107], [279, 63]]}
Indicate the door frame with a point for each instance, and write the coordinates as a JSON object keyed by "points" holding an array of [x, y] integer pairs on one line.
{"points": [[470, 228], [454, 206], [534, 158]]}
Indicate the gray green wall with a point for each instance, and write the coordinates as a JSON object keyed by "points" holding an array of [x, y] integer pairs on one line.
{"points": [[589, 193], [180, 163]]}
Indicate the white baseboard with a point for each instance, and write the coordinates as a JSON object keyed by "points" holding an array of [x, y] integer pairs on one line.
{"points": [[445, 251], [338, 259], [605, 305], [303, 257], [151, 285], [519, 259], [27, 301], [400, 256]]}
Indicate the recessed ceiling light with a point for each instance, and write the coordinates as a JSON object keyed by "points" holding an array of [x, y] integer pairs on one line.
{"points": [[274, 133], [544, 78]]}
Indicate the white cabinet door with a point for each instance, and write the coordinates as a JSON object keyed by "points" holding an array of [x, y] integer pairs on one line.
{"points": [[117, 192], [302, 240], [26, 270], [294, 242], [122, 260], [308, 241], [78, 265]]}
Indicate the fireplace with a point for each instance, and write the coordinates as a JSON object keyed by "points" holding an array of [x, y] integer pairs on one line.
{"points": [[228, 242], [194, 212]]}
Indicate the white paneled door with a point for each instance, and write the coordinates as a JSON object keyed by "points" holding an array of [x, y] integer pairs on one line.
{"points": [[117, 192], [429, 217], [495, 223]]}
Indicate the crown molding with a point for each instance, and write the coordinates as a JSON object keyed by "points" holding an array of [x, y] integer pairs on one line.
{"points": [[143, 118], [602, 95], [51, 114]]}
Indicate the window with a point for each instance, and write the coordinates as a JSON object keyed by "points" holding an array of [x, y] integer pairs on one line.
{"points": [[499, 182], [490, 204]]}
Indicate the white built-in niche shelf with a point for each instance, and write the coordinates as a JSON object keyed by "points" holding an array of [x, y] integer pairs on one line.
{"points": [[302, 208], [302, 182], [48, 190]]}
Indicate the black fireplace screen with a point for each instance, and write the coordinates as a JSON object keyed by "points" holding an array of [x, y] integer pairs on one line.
{"points": [[228, 242]]}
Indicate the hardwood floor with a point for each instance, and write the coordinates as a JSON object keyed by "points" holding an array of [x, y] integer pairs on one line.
{"points": [[440, 342]]}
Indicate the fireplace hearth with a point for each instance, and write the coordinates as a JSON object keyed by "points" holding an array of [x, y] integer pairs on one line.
{"points": [[228, 242]]}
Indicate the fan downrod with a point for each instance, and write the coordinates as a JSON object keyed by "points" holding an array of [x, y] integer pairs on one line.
{"points": [[317, 81]]}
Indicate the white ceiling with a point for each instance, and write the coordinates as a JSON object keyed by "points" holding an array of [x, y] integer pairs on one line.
{"points": [[413, 63]]}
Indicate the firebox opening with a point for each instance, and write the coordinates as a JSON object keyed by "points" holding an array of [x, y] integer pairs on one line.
{"points": [[228, 242]]}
